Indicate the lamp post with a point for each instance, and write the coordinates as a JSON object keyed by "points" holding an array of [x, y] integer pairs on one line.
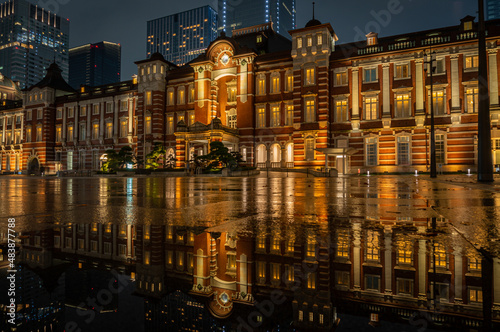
{"points": [[484, 158], [430, 59]]}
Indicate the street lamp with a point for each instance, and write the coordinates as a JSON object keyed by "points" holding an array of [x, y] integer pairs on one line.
{"points": [[430, 59]]}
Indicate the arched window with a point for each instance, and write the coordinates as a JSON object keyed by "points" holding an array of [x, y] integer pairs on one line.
{"points": [[275, 153], [261, 154]]}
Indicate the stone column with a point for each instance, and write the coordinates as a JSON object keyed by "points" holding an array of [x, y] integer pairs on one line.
{"points": [[356, 256], [355, 93], [455, 83], [386, 95], [388, 260], [4, 128], [101, 120], [457, 253], [422, 273], [22, 128], [493, 75], [116, 124], [89, 122], [419, 86], [63, 129]]}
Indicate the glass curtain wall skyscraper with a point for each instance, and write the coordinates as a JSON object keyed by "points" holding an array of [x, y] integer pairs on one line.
{"points": [[31, 38], [237, 14], [183, 36], [94, 64], [492, 9]]}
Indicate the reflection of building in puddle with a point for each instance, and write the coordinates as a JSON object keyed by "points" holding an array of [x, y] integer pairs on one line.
{"points": [[393, 267]]}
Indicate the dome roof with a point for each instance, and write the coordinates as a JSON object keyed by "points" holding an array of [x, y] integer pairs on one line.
{"points": [[7, 82], [157, 56], [312, 23]]}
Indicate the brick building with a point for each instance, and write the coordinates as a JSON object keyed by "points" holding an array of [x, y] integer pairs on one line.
{"points": [[308, 103]]}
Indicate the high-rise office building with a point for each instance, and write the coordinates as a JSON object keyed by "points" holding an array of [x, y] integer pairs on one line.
{"points": [[183, 36], [31, 38], [245, 13], [492, 9], [95, 64]]}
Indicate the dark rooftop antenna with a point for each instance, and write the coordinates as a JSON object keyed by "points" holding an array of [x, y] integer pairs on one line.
{"points": [[313, 8]]}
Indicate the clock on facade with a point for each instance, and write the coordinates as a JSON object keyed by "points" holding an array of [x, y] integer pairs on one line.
{"points": [[224, 59]]}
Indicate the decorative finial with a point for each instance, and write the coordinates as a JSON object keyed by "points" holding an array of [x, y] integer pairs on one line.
{"points": [[313, 8]]}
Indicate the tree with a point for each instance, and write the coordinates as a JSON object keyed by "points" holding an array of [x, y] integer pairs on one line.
{"points": [[219, 157], [117, 160], [154, 156]]}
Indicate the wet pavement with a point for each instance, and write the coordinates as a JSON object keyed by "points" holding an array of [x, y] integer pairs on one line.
{"points": [[348, 253]]}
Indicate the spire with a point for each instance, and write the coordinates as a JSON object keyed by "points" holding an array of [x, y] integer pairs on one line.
{"points": [[314, 21], [313, 8]]}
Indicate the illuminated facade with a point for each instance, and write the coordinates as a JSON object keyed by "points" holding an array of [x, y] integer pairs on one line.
{"points": [[308, 103], [235, 15], [31, 39], [94, 64], [183, 36]]}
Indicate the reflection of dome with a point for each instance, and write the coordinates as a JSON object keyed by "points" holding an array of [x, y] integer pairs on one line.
{"points": [[312, 23]]}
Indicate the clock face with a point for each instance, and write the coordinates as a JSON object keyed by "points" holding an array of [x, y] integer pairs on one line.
{"points": [[224, 59]]}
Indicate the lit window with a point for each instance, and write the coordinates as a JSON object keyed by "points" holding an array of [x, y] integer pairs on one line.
{"points": [[309, 41], [261, 117], [95, 131], [438, 99], [95, 109], [123, 128], [310, 78], [289, 82], [149, 98], [402, 71], [404, 287], [310, 115], [320, 39], [261, 86], [28, 136], [170, 125], [261, 243], [39, 134], [275, 84], [299, 42], [58, 133], [109, 130], [440, 256], [403, 106], [148, 124], [289, 115], [472, 97], [311, 247], [371, 108], [309, 148], [180, 99], [341, 79], [471, 62], [341, 110], [275, 116]]}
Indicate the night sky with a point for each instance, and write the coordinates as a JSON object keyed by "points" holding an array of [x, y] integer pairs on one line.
{"points": [[124, 21]]}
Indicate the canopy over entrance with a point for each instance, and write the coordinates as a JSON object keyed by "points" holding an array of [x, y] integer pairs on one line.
{"points": [[338, 158]]}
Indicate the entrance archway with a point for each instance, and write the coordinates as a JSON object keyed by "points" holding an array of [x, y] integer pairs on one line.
{"points": [[33, 166]]}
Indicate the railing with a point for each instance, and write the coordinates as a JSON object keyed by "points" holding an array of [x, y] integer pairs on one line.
{"points": [[290, 165], [276, 164], [75, 173], [261, 165]]}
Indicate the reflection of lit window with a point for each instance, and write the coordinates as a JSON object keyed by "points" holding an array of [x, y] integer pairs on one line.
{"points": [[440, 256], [372, 246], [343, 243], [474, 263], [261, 243], [147, 232], [311, 281], [290, 246], [275, 243], [311, 247], [289, 273], [231, 262], [261, 269], [147, 257], [108, 228], [94, 227], [169, 233], [123, 230], [180, 259], [342, 278], [405, 252], [475, 295], [170, 257], [405, 287]]}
